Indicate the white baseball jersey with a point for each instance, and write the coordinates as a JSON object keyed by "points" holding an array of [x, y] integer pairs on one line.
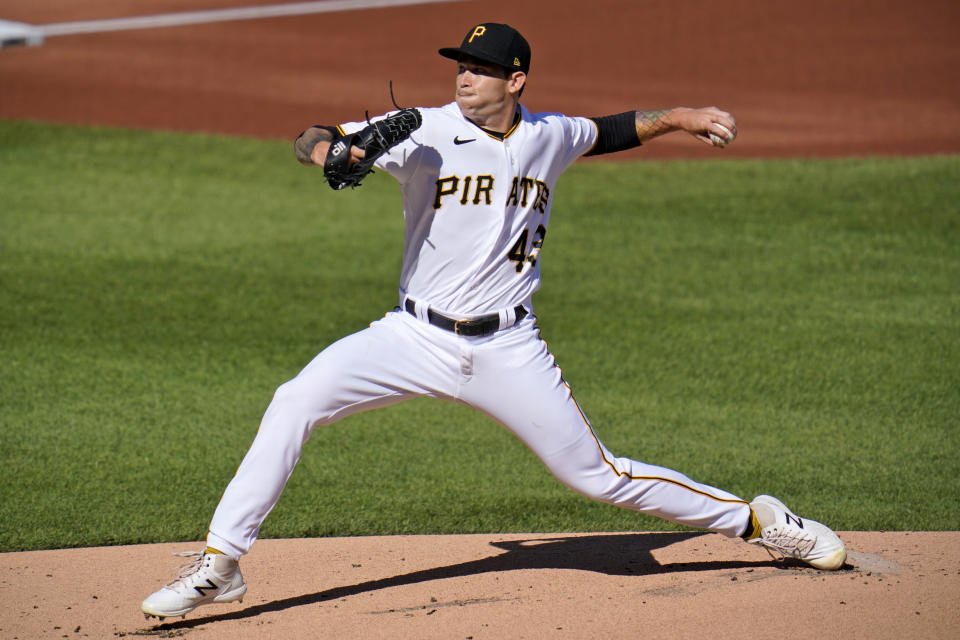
{"points": [[477, 207]]}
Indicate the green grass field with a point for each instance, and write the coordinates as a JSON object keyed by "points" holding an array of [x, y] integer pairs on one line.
{"points": [[790, 327]]}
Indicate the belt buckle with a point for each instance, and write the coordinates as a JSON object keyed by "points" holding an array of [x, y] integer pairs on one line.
{"points": [[456, 326]]}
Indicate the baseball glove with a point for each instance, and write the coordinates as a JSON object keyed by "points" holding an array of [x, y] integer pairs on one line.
{"points": [[375, 139]]}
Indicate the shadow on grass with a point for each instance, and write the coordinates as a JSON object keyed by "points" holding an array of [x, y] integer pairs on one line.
{"points": [[609, 554]]}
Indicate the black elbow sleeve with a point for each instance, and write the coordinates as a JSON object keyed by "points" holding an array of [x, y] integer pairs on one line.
{"points": [[615, 133]]}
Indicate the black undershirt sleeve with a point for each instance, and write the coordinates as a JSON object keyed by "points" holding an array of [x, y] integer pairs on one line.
{"points": [[615, 133]]}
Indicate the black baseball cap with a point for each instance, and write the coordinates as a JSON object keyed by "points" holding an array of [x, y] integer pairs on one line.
{"points": [[492, 42]]}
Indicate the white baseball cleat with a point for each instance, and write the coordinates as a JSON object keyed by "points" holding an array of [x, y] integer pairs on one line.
{"points": [[211, 577], [786, 534]]}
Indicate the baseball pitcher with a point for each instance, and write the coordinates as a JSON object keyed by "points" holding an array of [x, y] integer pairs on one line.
{"points": [[478, 178]]}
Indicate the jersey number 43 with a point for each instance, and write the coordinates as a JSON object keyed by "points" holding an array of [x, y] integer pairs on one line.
{"points": [[518, 252]]}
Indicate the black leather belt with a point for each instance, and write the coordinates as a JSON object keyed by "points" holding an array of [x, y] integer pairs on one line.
{"points": [[476, 326]]}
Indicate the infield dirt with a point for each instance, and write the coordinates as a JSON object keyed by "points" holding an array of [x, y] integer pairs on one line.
{"points": [[821, 78], [493, 586]]}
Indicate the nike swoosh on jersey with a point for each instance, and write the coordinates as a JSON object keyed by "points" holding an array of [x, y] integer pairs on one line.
{"points": [[457, 140]]}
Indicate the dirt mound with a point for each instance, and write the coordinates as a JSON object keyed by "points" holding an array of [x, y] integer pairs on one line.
{"points": [[594, 585]]}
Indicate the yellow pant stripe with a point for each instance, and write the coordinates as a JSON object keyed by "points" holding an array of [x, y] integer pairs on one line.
{"points": [[652, 478]]}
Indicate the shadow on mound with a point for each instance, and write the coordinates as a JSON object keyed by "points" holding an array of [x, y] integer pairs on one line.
{"points": [[615, 555]]}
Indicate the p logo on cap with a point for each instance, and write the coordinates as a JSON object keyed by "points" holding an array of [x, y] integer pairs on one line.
{"points": [[477, 32]]}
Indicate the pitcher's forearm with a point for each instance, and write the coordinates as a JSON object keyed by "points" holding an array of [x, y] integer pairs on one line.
{"points": [[305, 145], [651, 124]]}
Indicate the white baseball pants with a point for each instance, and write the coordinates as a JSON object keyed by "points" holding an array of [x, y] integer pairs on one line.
{"points": [[510, 375]]}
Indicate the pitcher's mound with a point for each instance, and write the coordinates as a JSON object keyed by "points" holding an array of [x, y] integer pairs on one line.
{"points": [[497, 586]]}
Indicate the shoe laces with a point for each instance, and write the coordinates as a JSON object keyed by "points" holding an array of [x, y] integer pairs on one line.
{"points": [[184, 571], [787, 543]]}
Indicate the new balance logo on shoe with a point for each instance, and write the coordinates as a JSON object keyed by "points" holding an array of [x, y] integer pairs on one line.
{"points": [[202, 589], [793, 518]]}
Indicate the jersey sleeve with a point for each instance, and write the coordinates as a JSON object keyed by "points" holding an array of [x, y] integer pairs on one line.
{"points": [[580, 137]]}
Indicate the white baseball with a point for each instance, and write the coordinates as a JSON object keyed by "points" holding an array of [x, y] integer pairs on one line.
{"points": [[724, 140]]}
